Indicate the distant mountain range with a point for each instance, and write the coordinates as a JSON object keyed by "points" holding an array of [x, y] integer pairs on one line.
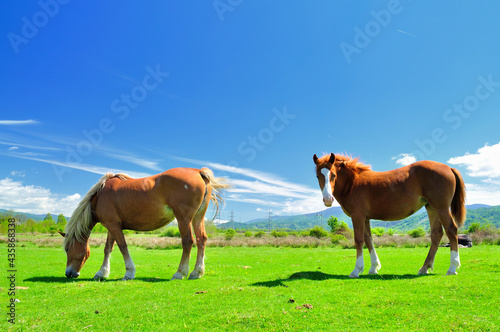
{"points": [[475, 213], [26, 216]]}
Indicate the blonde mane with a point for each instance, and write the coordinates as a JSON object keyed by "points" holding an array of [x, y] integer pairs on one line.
{"points": [[352, 163], [80, 224]]}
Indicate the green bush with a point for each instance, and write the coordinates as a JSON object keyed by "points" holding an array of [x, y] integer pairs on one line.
{"points": [[171, 232], [378, 231], [318, 232], [391, 232], [210, 228], [277, 233], [474, 227], [259, 234], [336, 238], [333, 223], [230, 233], [248, 234], [418, 232]]}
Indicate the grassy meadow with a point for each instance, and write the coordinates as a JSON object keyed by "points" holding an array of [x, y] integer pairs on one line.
{"points": [[252, 288]]}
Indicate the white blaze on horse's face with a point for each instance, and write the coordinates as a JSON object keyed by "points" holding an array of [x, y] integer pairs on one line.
{"points": [[327, 188]]}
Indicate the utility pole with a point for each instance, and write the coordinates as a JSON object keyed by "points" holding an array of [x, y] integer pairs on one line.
{"points": [[269, 220], [319, 219], [232, 218]]}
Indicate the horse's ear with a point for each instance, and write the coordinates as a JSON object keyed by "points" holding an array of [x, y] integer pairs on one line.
{"points": [[63, 234], [332, 158], [315, 158]]}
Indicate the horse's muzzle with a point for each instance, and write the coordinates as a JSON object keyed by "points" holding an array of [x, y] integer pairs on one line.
{"points": [[70, 273], [328, 201]]}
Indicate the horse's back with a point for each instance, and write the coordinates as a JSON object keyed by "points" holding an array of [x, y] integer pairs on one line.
{"points": [[397, 194], [147, 203]]}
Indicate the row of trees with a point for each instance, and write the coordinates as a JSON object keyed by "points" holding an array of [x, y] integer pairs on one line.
{"points": [[28, 225]]}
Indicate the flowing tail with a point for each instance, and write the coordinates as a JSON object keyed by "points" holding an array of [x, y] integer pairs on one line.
{"points": [[80, 224], [217, 184], [458, 202]]}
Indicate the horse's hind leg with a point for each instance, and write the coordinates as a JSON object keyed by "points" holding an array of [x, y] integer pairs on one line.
{"points": [[201, 240], [375, 262], [436, 235], [105, 268], [187, 243], [452, 232]]}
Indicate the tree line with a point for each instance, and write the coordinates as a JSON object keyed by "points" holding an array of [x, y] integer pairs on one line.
{"points": [[29, 225]]}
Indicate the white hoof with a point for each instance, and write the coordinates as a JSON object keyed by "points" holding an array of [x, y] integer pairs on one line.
{"points": [[177, 276], [451, 273], [129, 276], [101, 275], [374, 269], [352, 275]]}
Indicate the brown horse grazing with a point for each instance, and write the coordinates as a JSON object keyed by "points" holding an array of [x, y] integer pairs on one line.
{"points": [[364, 194], [119, 202]]}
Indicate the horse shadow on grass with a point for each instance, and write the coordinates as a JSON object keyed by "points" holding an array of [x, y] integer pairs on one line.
{"points": [[63, 280], [320, 276]]}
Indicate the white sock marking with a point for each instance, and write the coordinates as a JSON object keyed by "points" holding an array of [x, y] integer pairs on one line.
{"points": [[454, 262], [360, 265], [375, 262]]}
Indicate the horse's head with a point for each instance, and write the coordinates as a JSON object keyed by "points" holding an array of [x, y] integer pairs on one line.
{"points": [[77, 253], [326, 174]]}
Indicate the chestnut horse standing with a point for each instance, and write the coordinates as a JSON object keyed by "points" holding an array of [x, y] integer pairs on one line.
{"points": [[119, 202], [364, 194]]}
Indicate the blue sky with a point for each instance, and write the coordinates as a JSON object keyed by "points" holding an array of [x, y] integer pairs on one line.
{"points": [[251, 89]]}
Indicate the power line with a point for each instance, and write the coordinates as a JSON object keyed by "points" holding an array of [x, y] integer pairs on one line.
{"points": [[269, 220], [232, 218]]}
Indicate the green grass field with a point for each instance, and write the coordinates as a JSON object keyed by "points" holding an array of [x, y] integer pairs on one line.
{"points": [[257, 288]]}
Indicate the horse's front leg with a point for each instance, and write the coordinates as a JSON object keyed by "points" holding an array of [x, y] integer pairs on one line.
{"points": [[358, 224], [117, 234], [105, 268]]}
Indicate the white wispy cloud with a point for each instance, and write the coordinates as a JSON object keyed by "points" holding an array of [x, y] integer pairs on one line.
{"points": [[405, 32], [484, 163], [21, 174], [84, 167], [17, 122], [17, 145], [257, 175], [488, 193], [34, 199], [150, 164], [405, 159], [266, 189], [61, 147]]}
